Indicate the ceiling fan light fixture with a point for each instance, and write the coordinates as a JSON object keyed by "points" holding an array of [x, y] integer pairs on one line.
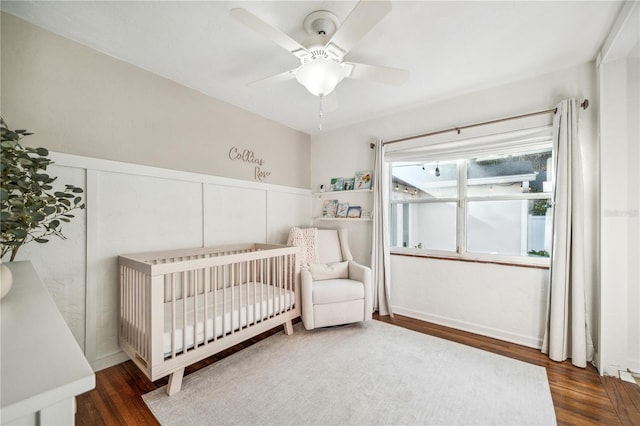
{"points": [[320, 77]]}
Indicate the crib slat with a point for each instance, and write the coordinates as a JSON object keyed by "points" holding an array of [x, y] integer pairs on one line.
{"points": [[184, 311], [173, 315], [246, 280], [267, 279], [194, 281], [136, 314], [255, 291], [224, 301], [288, 283], [262, 301], [215, 303], [138, 291], [142, 310], [205, 328], [233, 298]]}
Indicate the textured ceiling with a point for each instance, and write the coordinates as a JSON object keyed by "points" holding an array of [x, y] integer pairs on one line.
{"points": [[449, 47]]}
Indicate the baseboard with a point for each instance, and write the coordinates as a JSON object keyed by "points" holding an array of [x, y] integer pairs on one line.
{"points": [[520, 339], [108, 361]]}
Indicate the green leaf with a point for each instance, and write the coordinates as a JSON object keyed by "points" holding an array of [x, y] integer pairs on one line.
{"points": [[37, 217], [40, 240], [19, 233]]}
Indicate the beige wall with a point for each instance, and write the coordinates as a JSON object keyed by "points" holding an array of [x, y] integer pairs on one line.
{"points": [[79, 101]]}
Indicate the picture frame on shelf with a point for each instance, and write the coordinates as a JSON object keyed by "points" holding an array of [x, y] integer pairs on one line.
{"points": [[362, 179], [329, 208], [337, 184], [349, 184], [354, 212], [343, 209]]}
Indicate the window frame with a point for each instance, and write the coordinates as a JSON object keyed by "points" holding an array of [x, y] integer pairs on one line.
{"points": [[462, 200]]}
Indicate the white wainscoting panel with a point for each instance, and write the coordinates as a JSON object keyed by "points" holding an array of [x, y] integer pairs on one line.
{"points": [[234, 215], [283, 209], [137, 214], [61, 263], [133, 208]]}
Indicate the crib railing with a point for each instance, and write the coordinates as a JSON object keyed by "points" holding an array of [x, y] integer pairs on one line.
{"points": [[174, 304]]}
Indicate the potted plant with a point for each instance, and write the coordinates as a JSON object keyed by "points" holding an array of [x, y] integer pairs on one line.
{"points": [[31, 210]]}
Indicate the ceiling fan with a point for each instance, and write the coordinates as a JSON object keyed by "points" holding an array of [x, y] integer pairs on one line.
{"points": [[321, 55]]}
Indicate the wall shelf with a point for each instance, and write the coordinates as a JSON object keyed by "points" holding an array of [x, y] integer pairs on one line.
{"points": [[350, 191], [345, 219]]}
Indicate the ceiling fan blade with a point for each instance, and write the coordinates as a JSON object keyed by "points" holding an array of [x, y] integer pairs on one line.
{"points": [[278, 78], [258, 25], [329, 102], [375, 73], [360, 21]]}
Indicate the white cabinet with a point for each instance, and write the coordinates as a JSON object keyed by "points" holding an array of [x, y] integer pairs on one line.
{"points": [[42, 367]]}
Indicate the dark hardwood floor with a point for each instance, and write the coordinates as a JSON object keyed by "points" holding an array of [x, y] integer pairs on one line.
{"points": [[580, 396]]}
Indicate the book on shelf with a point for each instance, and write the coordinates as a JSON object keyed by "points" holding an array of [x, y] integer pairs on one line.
{"points": [[343, 209], [354, 212], [329, 208], [337, 184], [363, 179], [349, 184]]}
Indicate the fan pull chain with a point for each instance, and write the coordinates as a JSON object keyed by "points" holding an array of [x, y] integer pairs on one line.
{"points": [[320, 115]]}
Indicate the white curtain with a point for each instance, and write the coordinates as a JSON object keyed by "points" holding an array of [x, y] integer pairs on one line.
{"points": [[380, 241], [567, 333]]}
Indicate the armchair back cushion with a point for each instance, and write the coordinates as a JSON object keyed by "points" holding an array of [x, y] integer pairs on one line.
{"points": [[329, 249]]}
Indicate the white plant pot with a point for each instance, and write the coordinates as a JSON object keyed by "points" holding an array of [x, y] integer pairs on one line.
{"points": [[6, 280]]}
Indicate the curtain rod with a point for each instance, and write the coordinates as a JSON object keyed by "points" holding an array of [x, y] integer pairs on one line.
{"points": [[584, 105]]}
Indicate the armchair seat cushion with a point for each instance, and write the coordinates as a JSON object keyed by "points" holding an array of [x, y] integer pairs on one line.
{"points": [[336, 291]]}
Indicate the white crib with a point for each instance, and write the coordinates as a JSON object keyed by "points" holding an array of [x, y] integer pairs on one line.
{"points": [[179, 307]]}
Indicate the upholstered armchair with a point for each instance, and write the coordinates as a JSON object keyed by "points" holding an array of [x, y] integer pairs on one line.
{"points": [[336, 290]]}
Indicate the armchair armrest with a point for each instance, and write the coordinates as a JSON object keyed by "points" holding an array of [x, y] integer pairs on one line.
{"points": [[306, 297], [363, 274]]}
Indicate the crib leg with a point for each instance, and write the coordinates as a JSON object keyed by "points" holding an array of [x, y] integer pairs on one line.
{"points": [[175, 382], [288, 328]]}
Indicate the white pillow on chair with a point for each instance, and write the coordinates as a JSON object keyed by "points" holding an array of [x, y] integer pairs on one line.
{"points": [[329, 271]]}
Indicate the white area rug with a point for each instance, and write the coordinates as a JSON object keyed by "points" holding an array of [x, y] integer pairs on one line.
{"points": [[362, 374]]}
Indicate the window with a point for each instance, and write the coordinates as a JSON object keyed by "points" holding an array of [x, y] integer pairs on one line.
{"points": [[494, 207]]}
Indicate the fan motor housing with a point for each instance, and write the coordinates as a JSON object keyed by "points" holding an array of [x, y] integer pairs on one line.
{"points": [[321, 22]]}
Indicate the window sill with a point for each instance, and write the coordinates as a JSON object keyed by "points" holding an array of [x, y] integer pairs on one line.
{"points": [[535, 263]]}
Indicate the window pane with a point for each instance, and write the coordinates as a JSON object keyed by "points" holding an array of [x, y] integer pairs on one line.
{"points": [[424, 225], [424, 180], [514, 227], [509, 174]]}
